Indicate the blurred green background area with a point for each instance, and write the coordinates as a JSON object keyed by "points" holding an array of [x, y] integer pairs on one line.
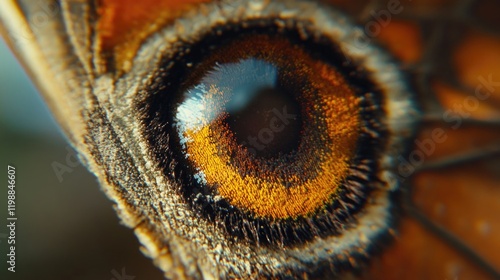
{"points": [[66, 227]]}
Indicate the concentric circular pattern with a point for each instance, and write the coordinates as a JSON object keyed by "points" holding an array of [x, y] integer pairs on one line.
{"points": [[289, 185], [278, 132], [334, 135], [280, 137]]}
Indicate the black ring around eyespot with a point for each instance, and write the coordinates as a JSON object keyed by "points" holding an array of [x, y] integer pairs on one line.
{"points": [[158, 112]]}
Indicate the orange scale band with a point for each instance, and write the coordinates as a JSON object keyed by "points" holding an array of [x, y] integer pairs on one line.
{"points": [[265, 194]]}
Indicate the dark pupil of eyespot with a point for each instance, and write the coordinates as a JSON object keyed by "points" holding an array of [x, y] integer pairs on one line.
{"points": [[264, 124], [253, 99]]}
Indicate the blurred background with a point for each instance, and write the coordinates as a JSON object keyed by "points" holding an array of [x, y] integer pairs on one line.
{"points": [[66, 227]]}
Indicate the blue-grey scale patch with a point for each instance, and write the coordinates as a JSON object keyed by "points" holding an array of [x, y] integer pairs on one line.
{"points": [[237, 83]]}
